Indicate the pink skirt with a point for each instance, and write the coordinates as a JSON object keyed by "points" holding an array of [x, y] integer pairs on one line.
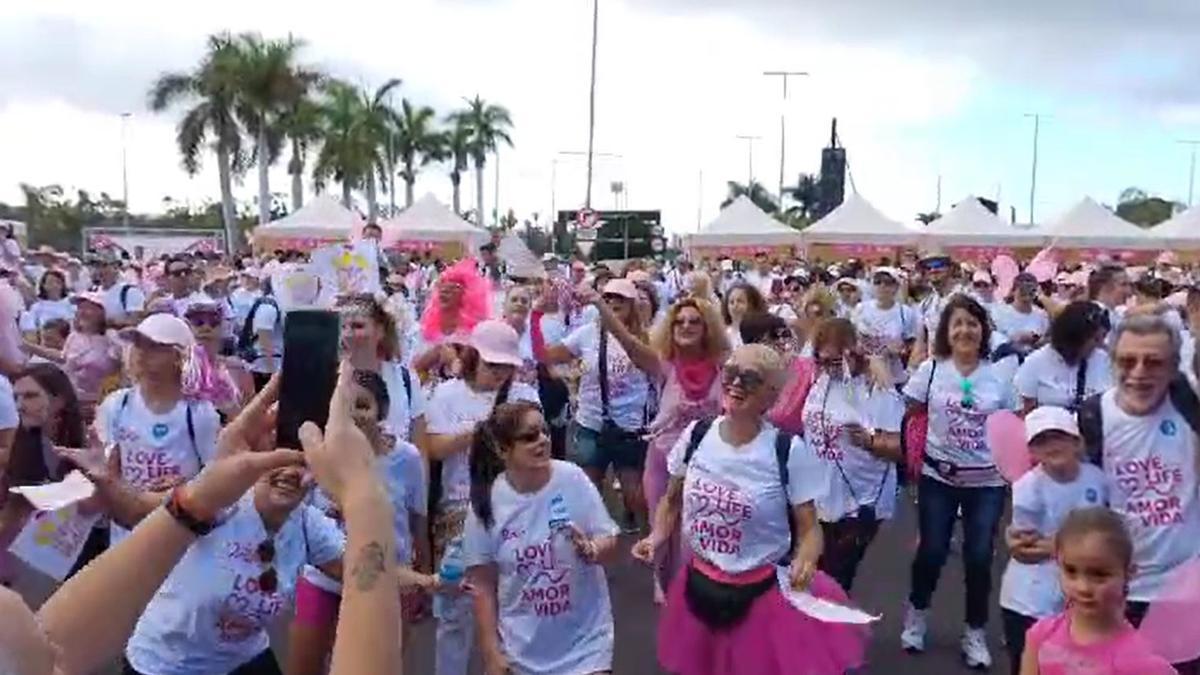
{"points": [[773, 639]]}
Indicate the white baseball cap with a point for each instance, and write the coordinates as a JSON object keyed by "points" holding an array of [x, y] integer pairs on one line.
{"points": [[165, 329], [1050, 418]]}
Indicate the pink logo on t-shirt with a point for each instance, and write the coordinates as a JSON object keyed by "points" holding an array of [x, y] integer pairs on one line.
{"points": [[547, 583], [718, 511], [1150, 486]]}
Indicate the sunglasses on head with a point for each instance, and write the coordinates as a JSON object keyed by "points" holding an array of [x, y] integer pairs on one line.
{"points": [[747, 378], [268, 581]]}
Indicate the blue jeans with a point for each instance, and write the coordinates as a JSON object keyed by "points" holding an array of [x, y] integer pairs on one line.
{"points": [[937, 509]]}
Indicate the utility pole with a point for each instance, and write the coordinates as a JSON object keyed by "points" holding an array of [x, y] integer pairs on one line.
{"points": [[125, 173], [783, 74], [1191, 170], [587, 202], [750, 160], [1037, 119]]}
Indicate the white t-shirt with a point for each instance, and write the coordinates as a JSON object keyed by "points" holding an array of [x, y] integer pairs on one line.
{"points": [[880, 328], [1041, 504], [1150, 462], [211, 615], [9, 418], [156, 449], [241, 300], [402, 411], [402, 472], [863, 479], [114, 309], [734, 335], [1046, 377], [43, 311], [956, 432], [1011, 322], [455, 408], [628, 387], [554, 610], [736, 513], [267, 318]]}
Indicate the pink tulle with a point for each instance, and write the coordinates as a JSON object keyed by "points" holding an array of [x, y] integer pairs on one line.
{"points": [[786, 414], [476, 303], [773, 639], [206, 380]]}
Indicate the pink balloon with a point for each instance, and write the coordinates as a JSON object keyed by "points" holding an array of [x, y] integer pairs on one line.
{"points": [[1170, 625], [1004, 271], [1006, 436]]}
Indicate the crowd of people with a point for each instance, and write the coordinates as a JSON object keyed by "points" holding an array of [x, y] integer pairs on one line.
{"points": [[760, 421]]}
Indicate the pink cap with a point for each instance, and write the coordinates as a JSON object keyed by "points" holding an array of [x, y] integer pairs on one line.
{"points": [[165, 329], [497, 342], [621, 287], [94, 297]]}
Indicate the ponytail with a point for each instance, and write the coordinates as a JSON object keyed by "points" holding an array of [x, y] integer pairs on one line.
{"points": [[485, 463]]}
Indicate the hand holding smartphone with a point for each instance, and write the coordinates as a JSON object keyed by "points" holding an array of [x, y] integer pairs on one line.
{"points": [[310, 368]]}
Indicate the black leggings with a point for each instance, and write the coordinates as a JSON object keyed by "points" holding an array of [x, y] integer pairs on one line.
{"points": [[1015, 627], [263, 664]]}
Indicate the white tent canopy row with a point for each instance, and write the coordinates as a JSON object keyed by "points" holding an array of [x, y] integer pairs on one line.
{"points": [[429, 220], [741, 224]]}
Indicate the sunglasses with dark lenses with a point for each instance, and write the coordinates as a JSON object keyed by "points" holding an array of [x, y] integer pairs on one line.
{"points": [[533, 435], [268, 581], [179, 272], [981, 285], [204, 320], [747, 378], [688, 322]]}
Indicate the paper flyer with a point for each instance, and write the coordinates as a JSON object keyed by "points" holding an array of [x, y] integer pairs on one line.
{"points": [[821, 610]]}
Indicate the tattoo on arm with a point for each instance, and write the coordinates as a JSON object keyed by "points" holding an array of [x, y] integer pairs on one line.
{"points": [[368, 567]]}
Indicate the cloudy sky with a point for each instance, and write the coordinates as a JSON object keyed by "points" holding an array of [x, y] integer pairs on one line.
{"points": [[921, 89]]}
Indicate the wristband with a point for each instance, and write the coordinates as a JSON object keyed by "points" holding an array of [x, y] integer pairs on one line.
{"points": [[177, 506]]}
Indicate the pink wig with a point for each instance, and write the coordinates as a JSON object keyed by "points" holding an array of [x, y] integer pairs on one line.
{"points": [[476, 302], [203, 380]]}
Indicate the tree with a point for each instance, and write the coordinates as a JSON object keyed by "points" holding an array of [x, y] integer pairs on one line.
{"points": [[490, 125], [1145, 210], [272, 86], [213, 88], [806, 194], [379, 125], [928, 217], [301, 124], [418, 143], [355, 127], [458, 151], [758, 194]]}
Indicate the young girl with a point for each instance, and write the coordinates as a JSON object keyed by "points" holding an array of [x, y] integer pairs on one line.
{"points": [[1092, 636], [402, 472], [1042, 499]]}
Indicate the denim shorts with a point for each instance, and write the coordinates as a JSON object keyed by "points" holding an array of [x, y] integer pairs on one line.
{"points": [[586, 452]]}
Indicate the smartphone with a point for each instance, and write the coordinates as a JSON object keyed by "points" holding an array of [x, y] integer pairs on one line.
{"points": [[310, 366]]}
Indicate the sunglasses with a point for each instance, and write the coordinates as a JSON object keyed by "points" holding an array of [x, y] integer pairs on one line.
{"points": [[688, 322], [533, 435], [179, 272], [981, 285], [499, 367], [1150, 363], [611, 297], [747, 378], [204, 320], [268, 581]]}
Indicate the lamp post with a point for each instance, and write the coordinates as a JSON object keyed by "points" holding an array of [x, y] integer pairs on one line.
{"points": [[1191, 170], [750, 160], [124, 172], [1037, 119], [783, 74], [587, 202]]}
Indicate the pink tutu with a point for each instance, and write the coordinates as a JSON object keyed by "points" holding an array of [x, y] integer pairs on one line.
{"points": [[773, 638]]}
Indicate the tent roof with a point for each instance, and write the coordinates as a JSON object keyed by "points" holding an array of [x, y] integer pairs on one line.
{"points": [[429, 220], [742, 223], [857, 221], [323, 216], [520, 260], [970, 223], [1183, 226], [1088, 224]]}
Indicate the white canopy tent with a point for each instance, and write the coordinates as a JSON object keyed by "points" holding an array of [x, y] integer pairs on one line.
{"points": [[971, 224], [520, 261], [430, 221], [322, 220], [857, 222], [1088, 225], [743, 224], [1181, 232]]}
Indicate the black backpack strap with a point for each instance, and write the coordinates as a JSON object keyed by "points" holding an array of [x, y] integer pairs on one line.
{"points": [[697, 436], [191, 430], [1185, 400], [1080, 383], [602, 357], [1091, 427], [125, 297], [407, 379], [783, 450]]}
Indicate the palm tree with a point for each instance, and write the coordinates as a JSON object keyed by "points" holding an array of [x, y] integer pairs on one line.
{"points": [[758, 194], [806, 193], [489, 125], [458, 151], [379, 125], [417, 143], [355, 127], [272, 85], [301, 124], [213, 87]]}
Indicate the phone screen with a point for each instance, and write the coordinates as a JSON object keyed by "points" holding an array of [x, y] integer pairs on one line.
{"points": [[310, 364]]}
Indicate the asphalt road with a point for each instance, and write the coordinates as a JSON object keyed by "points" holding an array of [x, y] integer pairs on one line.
{"points": [[881, 588]]}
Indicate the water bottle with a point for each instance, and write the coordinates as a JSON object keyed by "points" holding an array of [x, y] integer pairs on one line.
{"points": [[451, 572]]}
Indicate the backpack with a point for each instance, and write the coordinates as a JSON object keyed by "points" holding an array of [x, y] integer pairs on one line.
{"points": [[124, 297], [191, 424], [435, 466], [783, 449], [247, 336], [1091, 419]]}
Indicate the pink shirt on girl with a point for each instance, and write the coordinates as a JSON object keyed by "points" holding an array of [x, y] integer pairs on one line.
{"points": [[1125, 653]]}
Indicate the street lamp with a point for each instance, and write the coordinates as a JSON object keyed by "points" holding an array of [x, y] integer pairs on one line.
{"points": [[587, 202], [1191, 170], [750, 159], [1037, 119], [124, 172], [783, 74]]}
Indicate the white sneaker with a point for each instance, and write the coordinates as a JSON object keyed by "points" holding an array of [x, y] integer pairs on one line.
{"points": [[975, 649], [912, 638]]}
